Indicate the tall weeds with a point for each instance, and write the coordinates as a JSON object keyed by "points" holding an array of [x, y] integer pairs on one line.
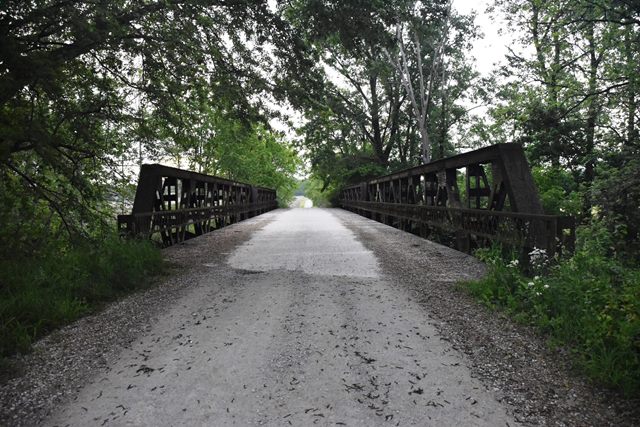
{"points": [[589, 303], [39, 294]]}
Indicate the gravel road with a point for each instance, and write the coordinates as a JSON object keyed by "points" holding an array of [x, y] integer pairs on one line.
{"points": [[300, 317], [301, 327]]}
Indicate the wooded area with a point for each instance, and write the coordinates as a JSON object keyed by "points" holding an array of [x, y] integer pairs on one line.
{"points": [[90, 90]]}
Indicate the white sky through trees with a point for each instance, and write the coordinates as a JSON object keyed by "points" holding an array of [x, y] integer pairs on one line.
{"points": [[492, 47]]}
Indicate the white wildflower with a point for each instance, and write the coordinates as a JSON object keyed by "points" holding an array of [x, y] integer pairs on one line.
{"points": [[539, 258]]}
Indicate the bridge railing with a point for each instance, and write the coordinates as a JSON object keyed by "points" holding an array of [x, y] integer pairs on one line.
{"points": [[172, 205], [481, 196]]}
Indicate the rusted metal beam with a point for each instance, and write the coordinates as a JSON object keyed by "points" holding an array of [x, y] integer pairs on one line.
{"points": [[499, 203], [172, 205]]}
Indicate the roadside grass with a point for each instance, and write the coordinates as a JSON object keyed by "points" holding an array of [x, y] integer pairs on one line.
{"points": [[40, 295], [588, 303]]}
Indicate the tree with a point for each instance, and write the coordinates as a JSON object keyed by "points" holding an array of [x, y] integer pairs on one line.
{"points": [[571, 100], [228, 147], [84, 84], [421, 103], [361, 110], [564, 89]]}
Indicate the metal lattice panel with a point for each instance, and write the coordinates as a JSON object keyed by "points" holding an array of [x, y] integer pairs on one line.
{"points": [[499, 201], [173, 205]]}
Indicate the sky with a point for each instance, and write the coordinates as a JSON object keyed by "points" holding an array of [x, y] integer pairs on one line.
{"points": [[492, 47]]}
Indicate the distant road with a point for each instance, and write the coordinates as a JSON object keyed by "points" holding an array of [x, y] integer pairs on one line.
{"points": [[301, 202], [300, 325]]}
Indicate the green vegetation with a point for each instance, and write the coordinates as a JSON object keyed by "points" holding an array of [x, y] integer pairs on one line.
{"points": [[247, 153], [321, 197], [312, 188], [362, 123], [588, 303], [89, 90], [39, 294]]}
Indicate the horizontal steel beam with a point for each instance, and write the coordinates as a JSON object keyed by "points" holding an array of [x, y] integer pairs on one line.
{"points": [[512, 228]]}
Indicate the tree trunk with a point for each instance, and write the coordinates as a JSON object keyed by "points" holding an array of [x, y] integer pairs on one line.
{"points": [[376, 134], [592, 116], [549, 74], [443, 112], [632, 133], [553, 99], [592, 110]]}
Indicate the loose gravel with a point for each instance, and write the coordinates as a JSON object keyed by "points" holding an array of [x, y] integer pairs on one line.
{"points": [[539, 384]]}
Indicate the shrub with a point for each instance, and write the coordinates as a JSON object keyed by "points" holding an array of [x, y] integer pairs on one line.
{"points": [[589, 302]]}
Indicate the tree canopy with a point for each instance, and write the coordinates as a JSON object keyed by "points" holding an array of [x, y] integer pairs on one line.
{"points": [[88, 90]]}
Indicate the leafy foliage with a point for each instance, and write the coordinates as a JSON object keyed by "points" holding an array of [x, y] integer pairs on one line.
{"points": [[589, 303], [233, 149], [558, 191], [357, 111], [313, 189]]}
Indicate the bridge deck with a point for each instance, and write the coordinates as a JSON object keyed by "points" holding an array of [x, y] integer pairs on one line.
{"points": [[300, 325], [301, 317]]}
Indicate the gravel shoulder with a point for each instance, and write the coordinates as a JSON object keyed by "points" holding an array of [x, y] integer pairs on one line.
{"points": [[512, 359]]}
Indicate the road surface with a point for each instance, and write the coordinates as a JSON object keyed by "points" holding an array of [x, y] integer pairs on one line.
{"points": [[299, 325]]}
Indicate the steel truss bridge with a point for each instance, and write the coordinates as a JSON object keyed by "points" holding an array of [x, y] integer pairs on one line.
{"points": [[172, 205], [486, 195], [483, 196]]}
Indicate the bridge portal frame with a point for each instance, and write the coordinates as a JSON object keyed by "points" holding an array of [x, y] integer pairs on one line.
{"points": [[177, 204]]}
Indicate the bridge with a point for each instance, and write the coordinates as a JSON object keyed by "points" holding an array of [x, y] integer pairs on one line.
{"points": [[174, 205], [317, 316], [499, 202]]}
